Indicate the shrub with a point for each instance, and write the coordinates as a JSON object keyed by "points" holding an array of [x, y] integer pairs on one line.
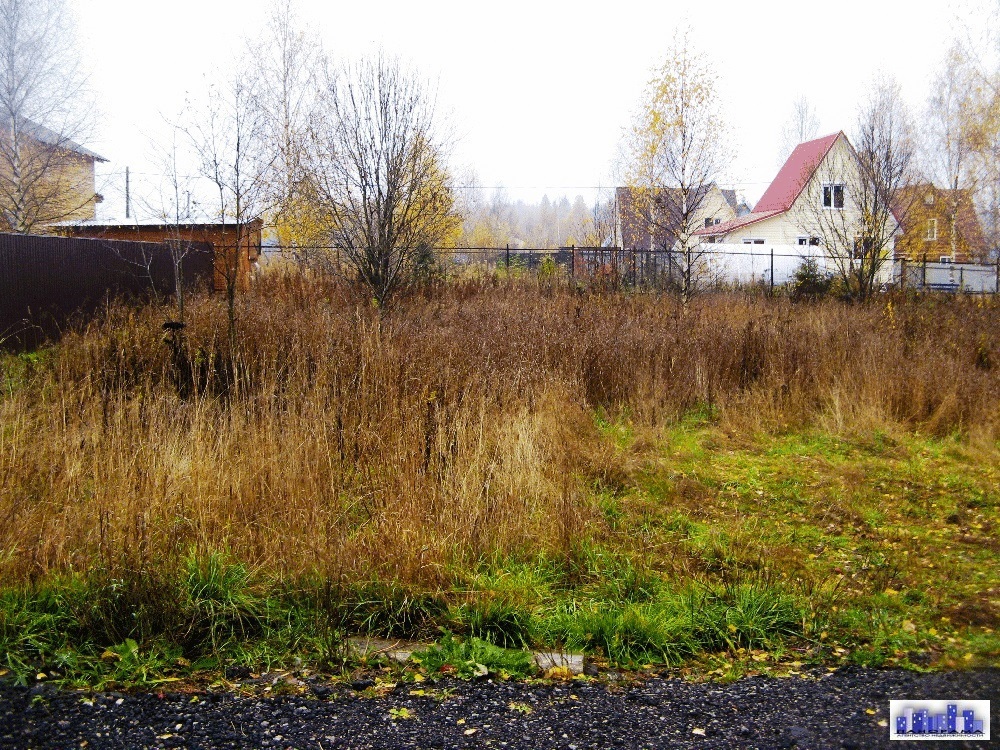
{"points": [[810, 282]]}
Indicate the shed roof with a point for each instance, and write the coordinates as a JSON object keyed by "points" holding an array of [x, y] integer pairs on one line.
{"points": [[150, 223]]}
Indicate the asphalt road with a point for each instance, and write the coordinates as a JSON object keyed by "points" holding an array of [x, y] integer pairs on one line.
{"points": [[846, 709]]}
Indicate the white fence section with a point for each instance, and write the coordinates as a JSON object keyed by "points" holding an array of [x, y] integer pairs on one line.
{"points": [[946, 277], [765, 264], [744, 264]]}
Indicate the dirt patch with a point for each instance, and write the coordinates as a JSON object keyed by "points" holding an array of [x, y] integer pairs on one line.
{"points": [[977, 612]]}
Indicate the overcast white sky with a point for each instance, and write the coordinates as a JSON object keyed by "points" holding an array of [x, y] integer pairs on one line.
{"points": [[539, 92]]}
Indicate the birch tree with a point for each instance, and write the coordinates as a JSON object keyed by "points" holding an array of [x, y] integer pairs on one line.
{"points": [[173, 205], [44, 111], [802, 125], [285, 62], [228, 135], [955, 132], [675, 151]]}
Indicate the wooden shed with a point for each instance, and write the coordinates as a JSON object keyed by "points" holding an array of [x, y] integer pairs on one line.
{"points": [[236, 247]]}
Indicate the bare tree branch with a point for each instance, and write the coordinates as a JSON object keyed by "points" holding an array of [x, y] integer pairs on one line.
{"points": [[379, 169], [45, 175], [857, 198]]}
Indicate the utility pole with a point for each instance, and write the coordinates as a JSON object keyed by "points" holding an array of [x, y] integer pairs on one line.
{"points": [[127, 196]]}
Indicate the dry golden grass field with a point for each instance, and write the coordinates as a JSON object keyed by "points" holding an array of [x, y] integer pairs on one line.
{"points": [[744, 485]]}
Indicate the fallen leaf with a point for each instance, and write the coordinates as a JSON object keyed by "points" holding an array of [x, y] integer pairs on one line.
{"points": [[699, 731], [460, 722], [883, 723], [870, 711], [470, 731], [909, 627]]}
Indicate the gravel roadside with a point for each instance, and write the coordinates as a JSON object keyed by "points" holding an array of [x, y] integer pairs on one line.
{"points": [[820, 711]]}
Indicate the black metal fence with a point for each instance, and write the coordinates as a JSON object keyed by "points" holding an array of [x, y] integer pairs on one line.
{"points": [[45, 280], [710, 266]]}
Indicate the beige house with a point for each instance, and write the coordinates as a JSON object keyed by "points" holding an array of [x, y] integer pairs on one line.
{"points": [[652, 219], [55, 178]]}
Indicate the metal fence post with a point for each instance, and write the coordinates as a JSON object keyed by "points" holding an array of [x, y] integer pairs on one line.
{"points": [[772, 270]]}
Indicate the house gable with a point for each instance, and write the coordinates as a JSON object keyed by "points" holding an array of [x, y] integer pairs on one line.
{"points": [[650, 220], [58, 173], [794, 175]]}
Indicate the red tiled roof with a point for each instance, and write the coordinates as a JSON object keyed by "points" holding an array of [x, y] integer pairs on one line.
{"points": [[740, 221], [795, 174]]}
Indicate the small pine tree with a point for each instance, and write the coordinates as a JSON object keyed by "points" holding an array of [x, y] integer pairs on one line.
{"points": [[810, 282]]}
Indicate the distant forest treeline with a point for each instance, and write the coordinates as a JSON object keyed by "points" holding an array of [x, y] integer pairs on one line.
{"points": [[493, 219]]}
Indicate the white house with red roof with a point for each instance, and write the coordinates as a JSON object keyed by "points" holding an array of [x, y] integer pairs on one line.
{"points": [[815, 177], [810, 192]]}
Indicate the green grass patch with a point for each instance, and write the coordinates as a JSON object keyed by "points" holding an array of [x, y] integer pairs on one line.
{"points": [[473, 657], [874, 550]]}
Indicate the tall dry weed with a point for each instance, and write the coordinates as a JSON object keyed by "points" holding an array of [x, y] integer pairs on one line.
{"points": [[354, 444]]}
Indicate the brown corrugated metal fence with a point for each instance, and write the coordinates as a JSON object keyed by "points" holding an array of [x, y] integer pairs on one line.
{"points": [[44, 280]]}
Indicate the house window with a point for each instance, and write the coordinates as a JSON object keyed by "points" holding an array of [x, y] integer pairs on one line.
{"points": [[929, 199], [712, 222], [750, 241], [931, 229], [947, 259], [814, 241], [833, 195]]}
